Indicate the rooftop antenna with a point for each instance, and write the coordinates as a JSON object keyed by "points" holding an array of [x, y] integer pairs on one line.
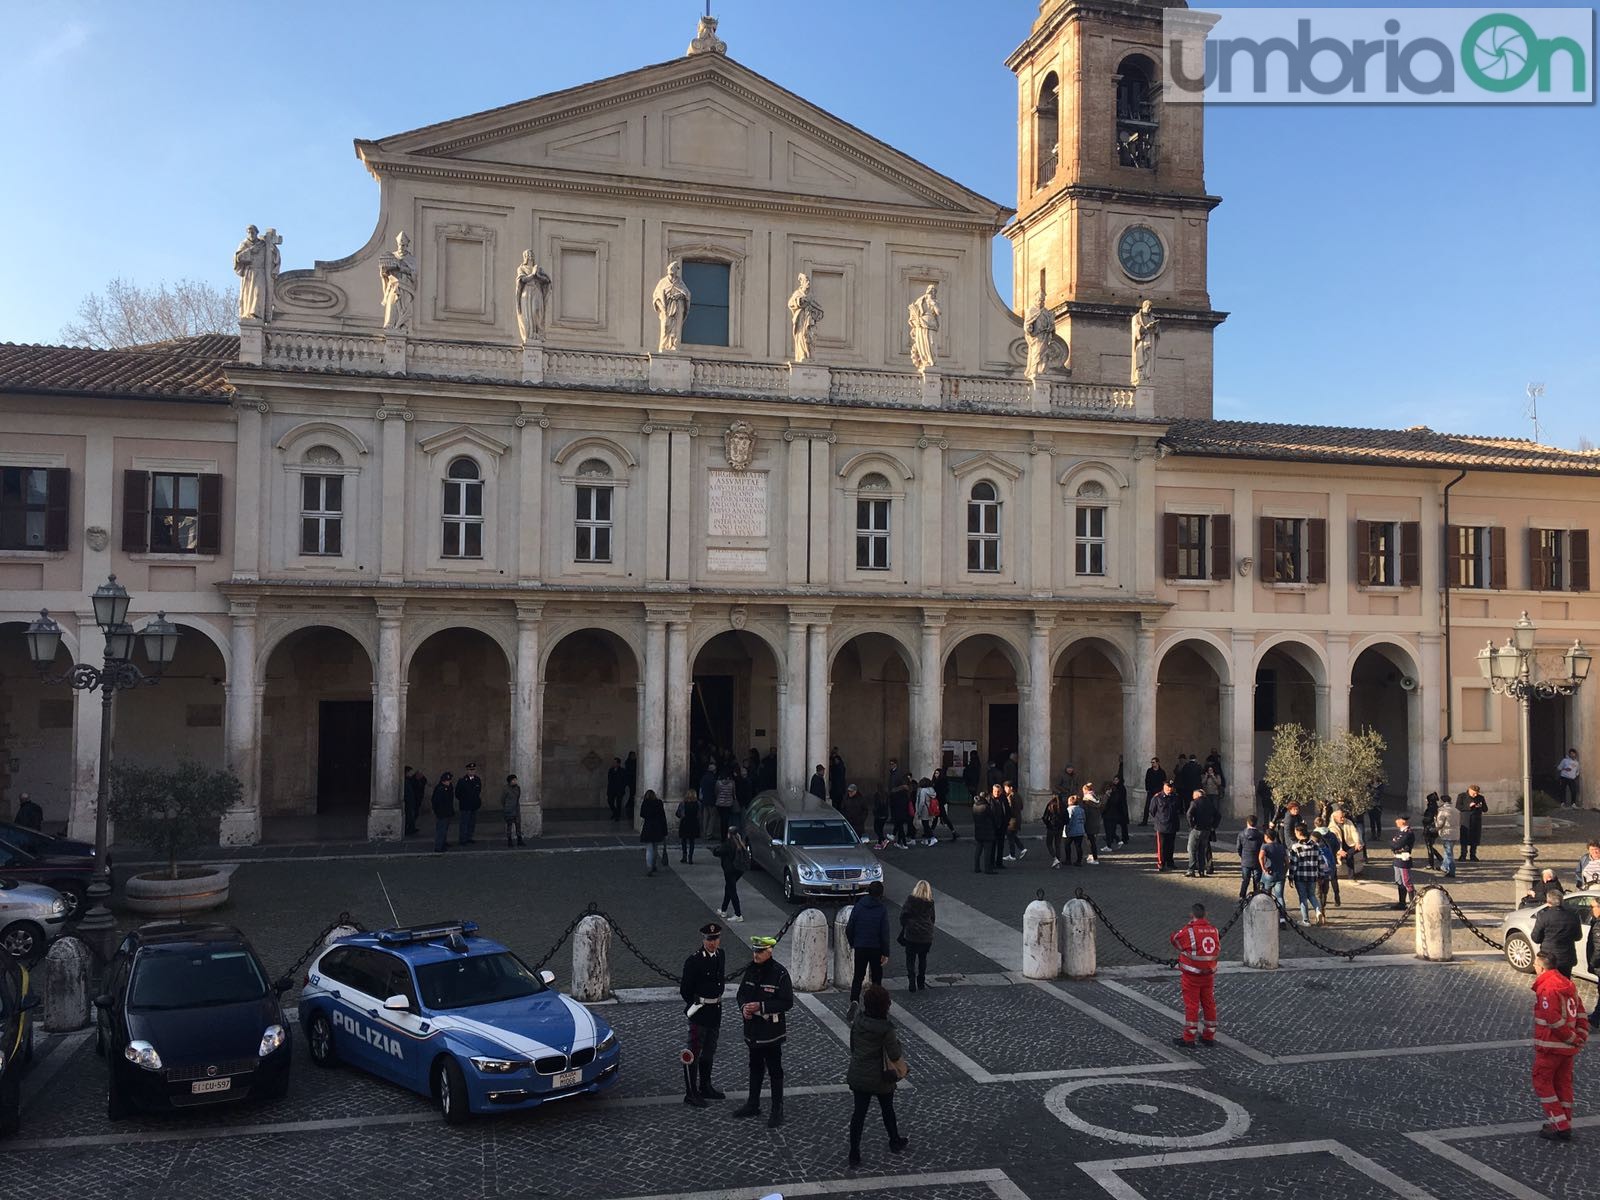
{"points": [[1531, 411], [388, 901]]}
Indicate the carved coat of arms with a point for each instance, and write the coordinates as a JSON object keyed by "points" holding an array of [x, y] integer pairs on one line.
{"points": [[739, 444]]}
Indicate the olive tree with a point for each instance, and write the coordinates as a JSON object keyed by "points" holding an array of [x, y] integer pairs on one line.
{"points": [[170, 810], [1342, 771]]}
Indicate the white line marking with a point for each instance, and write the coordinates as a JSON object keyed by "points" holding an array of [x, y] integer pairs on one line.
{"points": [[1380, 1052], [1236, 1121], [1110, 1022], [1095, 1072], [760, 914], [48, 1067], [230, 1131], [940, 1045], [1466, 1132], [1477, 1169], [999, 1184], [1174, 1014], [1150, 971], [991, 938], [1104, 1172], [831, 1021], [418, 851]]}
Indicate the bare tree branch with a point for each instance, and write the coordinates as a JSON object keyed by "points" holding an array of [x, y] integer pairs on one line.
{"points": [[129, 315]]}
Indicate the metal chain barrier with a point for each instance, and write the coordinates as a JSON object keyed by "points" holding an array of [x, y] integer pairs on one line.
{"points": [[1365, 947], [669, 976], [1117, 933], [1238, 911], [1471, 926], [343, 918], [592, 910]]}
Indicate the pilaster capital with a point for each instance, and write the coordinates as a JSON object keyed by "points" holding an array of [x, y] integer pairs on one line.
{"points": [[666, 614], [934, 441], [655, 426], [1043, 623], [1038, 446], [529, 611], [390, 610], [242, 609], [1337, 637], [933, 618], [250, 404], [811, 616], [810, 435], [399, 413]]}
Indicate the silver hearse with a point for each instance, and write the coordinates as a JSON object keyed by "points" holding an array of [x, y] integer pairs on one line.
{"points": [[808, 845]]}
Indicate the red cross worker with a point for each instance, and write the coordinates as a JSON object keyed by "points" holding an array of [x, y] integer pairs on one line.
{"points": [[1198, 944]]}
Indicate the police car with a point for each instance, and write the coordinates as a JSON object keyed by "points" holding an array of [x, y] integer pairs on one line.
{"points": [[452, 1015]]}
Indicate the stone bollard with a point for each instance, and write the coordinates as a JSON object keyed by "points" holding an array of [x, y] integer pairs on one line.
{"points": [[1433, 926], [808, 952], [591, 959], [334, 934], [66, 986], [1041, 942], [1079, 956], [1261, 933], [844, 959]]}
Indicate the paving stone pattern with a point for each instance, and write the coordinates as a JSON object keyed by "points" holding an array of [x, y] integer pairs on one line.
{"points": [[1300, 1175]]}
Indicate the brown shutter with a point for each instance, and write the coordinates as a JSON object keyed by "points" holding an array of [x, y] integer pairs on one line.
{"points": [[1267, 558], [1364, 570], [1410, 553], [1453, 574], [1578, 560], [135, 511], [1222, 546], [1169, 545], [1497, 557], [1316, 550], [210, 535], [58, 498], [1538, 564]]}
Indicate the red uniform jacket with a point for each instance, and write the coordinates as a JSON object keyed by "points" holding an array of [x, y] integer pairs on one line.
{"points": [[1198, 946], [1560, 1025]]}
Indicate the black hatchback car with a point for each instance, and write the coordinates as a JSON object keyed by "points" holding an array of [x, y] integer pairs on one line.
{"points": [[190, 1018]]}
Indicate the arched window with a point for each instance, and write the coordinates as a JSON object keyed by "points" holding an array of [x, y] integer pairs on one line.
{"points": [[983, 528], [463, 510], [1089, 557], [594, 508], [1137, 98], [1047, 131], [321, 502], [872, 524]]}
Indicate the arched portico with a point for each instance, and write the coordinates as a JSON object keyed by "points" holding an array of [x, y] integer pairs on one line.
{"points": [[590, 707], [1386, 694], [1086, 710], [870, 696]]}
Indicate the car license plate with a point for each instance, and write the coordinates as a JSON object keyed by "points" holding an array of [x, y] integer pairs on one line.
{"points": [[567, 1079], [200, 1086]]}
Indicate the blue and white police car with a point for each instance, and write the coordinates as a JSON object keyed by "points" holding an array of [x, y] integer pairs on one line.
{"points": [[453, 1015]]}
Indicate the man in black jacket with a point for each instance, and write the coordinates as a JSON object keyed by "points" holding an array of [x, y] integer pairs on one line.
{"points": [[867, 932], [1153, 779], [469, 798], [1556, 931], [616, 785], [416, 787], [1203, 819], [1164, 812], [765, 997], [702, 985]]}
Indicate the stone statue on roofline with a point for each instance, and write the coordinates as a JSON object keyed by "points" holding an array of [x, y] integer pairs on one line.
{"points": [[533, 292], [706, 40], [804, 315], [1046, 351], [671, 302], [1146, 333], [256, 262], [397, 269], [923, 317]]}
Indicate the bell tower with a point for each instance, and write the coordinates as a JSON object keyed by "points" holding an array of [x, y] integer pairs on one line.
{"points": [[1111, 198]]}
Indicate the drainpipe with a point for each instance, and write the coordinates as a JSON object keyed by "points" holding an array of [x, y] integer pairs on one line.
{"points": [[1449, 689]]}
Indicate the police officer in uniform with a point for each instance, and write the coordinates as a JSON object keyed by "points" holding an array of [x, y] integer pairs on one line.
{"points": [[703, 983], [765, 997]]}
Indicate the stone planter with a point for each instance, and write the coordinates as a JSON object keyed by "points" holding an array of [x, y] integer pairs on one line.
{"points": [[196, 890]]}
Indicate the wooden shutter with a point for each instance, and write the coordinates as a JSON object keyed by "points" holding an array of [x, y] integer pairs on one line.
{"points": [[1497, 557], [1578, 560], [1410, 553], [1538, 564], [1169, 545], [1221, 546], [58, 497], [210, 534], [1267, 556], [135, 511], [1364, 556], [1316, 550], [1454, 576]]}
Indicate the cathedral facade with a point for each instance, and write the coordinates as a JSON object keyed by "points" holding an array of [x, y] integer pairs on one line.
{"points": [[672, 411]]}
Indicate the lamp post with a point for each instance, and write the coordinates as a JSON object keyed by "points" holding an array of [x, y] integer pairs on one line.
{"points": [[117, 673], [1512, 670]]}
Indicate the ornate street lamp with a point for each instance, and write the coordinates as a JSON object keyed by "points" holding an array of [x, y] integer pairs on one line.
{"points": [[1512, 670], [116, 673]]}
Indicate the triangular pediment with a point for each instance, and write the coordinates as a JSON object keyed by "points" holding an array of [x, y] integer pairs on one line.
{"points": [[702, 120]]}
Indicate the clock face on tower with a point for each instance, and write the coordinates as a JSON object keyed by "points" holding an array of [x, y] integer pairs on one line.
{"points": [[1140, 252]]}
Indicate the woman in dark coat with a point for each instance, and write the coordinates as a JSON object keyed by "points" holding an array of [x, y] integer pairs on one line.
{"points": [[1430, 834], [916, 933], [1116, 814], [872, 1039], [688, 826], [444, 810], [653, 830], [1472, 823]]}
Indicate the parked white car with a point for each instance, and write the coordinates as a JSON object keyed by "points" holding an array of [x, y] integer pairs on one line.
{"points": [[1516, 929], [31, 915]]}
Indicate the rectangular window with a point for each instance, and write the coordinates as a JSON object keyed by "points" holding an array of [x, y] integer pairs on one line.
{"points": [[321, 514], [708, 284], [1288, 550], [1379, 546], [1192, 547], [174, 513], [872, 535], [1090, 556], [463, 518], [983, 530], [1477, 713], [1470, 553], [594, 524], [24, 505], [1547, 559]]}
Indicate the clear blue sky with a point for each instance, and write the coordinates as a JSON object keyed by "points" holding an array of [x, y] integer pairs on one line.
{"points": [[1383, 266]]}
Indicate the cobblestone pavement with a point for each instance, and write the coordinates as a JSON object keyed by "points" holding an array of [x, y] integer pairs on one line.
{"points": [[1382, 1078]]}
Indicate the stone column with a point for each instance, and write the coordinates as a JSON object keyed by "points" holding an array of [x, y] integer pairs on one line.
{"points": [[930, 696], [1139, 712], [86, 724], [817, 688], [792, 711], [1036, 776], [241, 826], [384, 818], [1239, 721], [392, 525], [678, 697], [1425, 720], [1338, 682], [652, 730], [527, 692], [249, 503]]}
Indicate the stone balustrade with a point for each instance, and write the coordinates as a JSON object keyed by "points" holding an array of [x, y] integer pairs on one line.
{"points": [[325, 351]]}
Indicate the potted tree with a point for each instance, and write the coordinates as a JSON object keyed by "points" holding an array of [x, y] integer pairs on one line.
{"points": [[171, 811]]}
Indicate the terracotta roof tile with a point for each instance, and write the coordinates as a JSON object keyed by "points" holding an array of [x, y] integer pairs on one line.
{"points": [[1415, 447], [185, 368]]}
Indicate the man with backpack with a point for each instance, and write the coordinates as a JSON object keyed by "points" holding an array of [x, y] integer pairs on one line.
{"points": [[867, 932]]}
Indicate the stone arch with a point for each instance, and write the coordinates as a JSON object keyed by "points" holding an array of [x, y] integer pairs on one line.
{"points": [[1089, 677], [1119, 655], [880, 460], [278, 629], [1011, 643], [37, 721], [701, 635], [500, 631], [736, 676], [1212, 649], [187, 710], [985, 706], [555, 630], [842, 634], [457, 685], [871, 677], [1194, 680], [1095, 469], [594, 445], [309, 433], [219, 640], [1305, 651], [1378, 701], [1404, 657], [589, 713]]}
